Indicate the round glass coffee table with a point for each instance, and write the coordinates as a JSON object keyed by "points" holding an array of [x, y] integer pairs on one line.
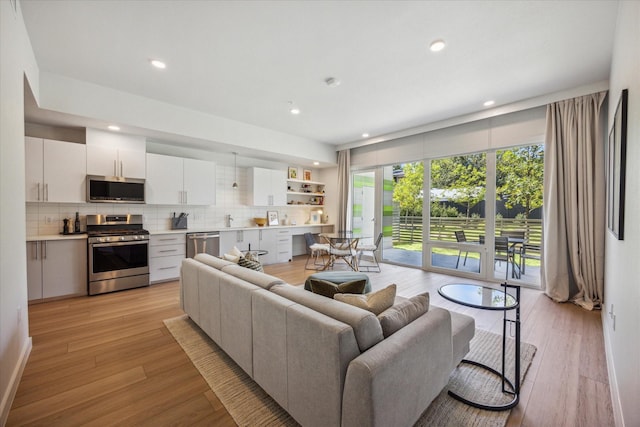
{"points": [[486, 298]]}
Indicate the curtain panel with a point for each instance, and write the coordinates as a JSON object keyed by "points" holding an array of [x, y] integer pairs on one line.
{"points": [[574, 202], [344, 166]]}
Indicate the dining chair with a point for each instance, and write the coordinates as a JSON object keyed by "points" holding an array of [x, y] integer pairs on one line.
{"points": [[460, 237], [315, 250], [343, 248], [371, 249]]}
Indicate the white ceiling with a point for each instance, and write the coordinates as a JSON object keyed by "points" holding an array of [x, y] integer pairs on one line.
{"points": [[246, 60]]}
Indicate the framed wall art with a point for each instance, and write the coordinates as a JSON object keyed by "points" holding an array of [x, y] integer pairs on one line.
{"points": [[616, 168], [272, 218], [293, 173], [307, 175]]}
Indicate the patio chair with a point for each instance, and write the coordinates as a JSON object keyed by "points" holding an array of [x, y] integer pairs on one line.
{"points": [[315, 250], [460, 237], [504, 252], [372, 249], [529, 251]]}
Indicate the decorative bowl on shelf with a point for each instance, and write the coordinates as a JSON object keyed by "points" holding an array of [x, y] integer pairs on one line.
{"points": [[260, 222]]}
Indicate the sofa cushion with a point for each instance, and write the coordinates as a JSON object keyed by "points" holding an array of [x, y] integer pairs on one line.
{"points": [[365, 325], [257, 278], [338, 277], [213, 261], [329, 289], [398, 316], [375, 302]]}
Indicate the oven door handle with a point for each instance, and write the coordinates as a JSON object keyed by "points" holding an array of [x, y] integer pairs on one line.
{"points": [[131, 242]]}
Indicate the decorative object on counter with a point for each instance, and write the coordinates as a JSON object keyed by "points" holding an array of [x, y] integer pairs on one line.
{"points": [[307, 175], [235, 171], [66, 229], [260, 222], [179, 222], [272, 216], [76, 224], [293, 173]]}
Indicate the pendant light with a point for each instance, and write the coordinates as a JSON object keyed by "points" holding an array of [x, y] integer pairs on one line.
{"points": [[235, 171]]}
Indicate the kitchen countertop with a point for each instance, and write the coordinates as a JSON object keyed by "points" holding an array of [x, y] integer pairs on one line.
{"points": [[189, 230]]}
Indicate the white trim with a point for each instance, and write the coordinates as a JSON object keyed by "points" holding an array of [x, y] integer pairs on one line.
{"points": [[12, 388], [616, 404], [484, 114]]}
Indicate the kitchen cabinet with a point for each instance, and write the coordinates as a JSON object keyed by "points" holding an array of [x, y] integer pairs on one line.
{"points": [[56, 268], [179, 181], [55, 171], [166, 252], [267, 187], [109, 161], [277, 242]]}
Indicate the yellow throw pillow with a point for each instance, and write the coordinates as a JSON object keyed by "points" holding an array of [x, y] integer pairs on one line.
{"points": [[375, 302]]}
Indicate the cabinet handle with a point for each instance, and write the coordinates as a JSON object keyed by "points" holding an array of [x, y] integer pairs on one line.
{"points": [[44, 249], [46, 189], [35, 246], [169, 250], [168, 239], [121, 169], [38, 191], [186, 198], [115, 170], [167, 268]]}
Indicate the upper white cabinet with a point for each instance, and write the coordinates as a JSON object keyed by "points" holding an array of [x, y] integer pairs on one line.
{"points": [[55, 171], [178, 181], [267, 187], [114, 154], [109, 161]]}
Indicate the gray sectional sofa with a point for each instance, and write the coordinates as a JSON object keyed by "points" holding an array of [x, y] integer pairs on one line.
{"points": [[325, 362]]}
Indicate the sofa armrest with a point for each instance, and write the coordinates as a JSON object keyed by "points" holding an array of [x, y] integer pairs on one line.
{"points": [[393, 382]]}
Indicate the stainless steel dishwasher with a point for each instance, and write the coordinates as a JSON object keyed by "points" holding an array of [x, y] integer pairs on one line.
{"points": [[205, 242]]}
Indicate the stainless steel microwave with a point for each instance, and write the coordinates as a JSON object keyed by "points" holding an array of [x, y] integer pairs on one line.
{"points": [[114, 189]]}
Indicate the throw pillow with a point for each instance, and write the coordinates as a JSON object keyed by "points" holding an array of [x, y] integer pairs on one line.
{"points": [[375, 302], [247, 263], [231, 258], [398, 316], [329, 289], [236, 252]]}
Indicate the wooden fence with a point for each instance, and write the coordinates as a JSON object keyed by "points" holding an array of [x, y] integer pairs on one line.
{"points": [[408, 229]]}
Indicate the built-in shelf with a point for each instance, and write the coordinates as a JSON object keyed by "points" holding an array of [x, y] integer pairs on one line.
{"points": [[301, 181]]}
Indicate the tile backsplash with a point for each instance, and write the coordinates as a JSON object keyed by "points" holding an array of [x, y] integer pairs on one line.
{"points": [[47, 218]]}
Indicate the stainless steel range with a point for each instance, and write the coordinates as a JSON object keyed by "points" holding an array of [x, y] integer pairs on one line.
{"points": [[118, 253]]}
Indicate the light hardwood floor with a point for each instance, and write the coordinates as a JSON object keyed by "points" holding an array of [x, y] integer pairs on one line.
{"points": [[109, 359]]}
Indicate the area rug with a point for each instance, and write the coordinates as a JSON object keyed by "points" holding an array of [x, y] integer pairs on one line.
{"points": [[249, 405]]}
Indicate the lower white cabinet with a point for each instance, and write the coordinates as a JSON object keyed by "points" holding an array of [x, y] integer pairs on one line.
{"points": [[277, 242], [166, 252], [56, 268]]}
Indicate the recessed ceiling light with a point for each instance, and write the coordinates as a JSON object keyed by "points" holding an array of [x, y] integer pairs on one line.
{"points": [[365, 135], [293, 109], [316, 163], [489, 103], [437, 45], [158, 64], [113, 127]]}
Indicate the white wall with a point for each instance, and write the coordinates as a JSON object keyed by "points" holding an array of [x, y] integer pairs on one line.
{"points": [[622, 270], [16, 58]]}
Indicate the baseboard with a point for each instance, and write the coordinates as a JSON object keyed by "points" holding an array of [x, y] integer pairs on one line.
{"points": [[12, 388], [613, 381]]}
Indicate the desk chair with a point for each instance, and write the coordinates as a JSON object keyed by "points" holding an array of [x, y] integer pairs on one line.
{"points": [[315, 250], [460, 237]]}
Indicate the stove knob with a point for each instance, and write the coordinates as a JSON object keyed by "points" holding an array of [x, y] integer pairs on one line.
{"points": [[122, 238], [101, 239], [136, 237]]}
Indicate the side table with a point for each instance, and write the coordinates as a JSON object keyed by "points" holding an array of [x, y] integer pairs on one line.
{"points": [[485, 298]]}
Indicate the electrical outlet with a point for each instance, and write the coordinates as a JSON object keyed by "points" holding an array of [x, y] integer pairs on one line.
{"points": [[48, 219]]}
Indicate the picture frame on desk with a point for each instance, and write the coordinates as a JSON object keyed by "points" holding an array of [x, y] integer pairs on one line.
{"points": [[272, 218]]}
